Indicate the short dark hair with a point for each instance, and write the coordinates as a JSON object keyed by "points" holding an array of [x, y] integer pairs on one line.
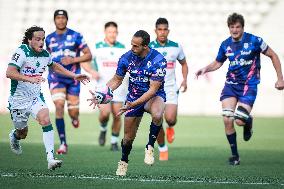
{"points": [[60, 12], [29, 33], [234, 18], [162, 21], [145, 37], [111, 23]]}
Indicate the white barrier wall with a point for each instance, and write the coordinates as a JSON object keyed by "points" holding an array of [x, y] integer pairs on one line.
{"points": [[199, 25]]}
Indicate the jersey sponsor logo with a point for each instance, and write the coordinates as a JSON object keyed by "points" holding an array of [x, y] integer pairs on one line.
{"points": [[109, 64], [69, 44], [229, 51], [29, 70], [53, 45], [33, 75], [139, 78], [246, 52], [246, 45], [69, 37], [241, 62], [16, 57], [149, 64], [161, 72], [66, 52], [170, 65]]}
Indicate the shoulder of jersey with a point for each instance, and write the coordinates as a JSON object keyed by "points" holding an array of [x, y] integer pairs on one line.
{"points": [[102, 44], [170, 43], [119, 45], [28, 53], [50, 35]]}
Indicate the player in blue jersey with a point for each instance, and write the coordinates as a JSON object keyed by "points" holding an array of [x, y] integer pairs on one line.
{"points": [[238, 95], [147, 69], [65, 46]]}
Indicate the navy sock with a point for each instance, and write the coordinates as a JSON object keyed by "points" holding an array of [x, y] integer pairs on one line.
{"points": [[249, 121], [125, 148], [232, 139], [61, 129], [154, 131]]}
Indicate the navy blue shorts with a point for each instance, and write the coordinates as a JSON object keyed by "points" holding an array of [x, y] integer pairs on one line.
{"points": [[243, 93], [136, 111], [139, 110], [72, 86]]}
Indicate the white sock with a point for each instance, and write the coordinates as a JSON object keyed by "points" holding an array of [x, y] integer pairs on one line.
{"points": [[48, 140], [103, 126], [114, 139], [163, 149]]}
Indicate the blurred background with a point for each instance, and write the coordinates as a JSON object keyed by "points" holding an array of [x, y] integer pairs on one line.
{"points": [[198, 25]]}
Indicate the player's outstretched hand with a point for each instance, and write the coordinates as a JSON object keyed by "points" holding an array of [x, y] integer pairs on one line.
{"points": [[279, 84], [83, 78], [37, 79], [124, 108], [202, 71], [67, 60], [93, 100]]}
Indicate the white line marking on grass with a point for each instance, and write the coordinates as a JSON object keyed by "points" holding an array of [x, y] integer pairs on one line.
{"points": [[102, 177]]}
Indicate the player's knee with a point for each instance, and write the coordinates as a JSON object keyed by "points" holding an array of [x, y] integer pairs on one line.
{"points": [[104, 116], [228, 122], [23, 136], [116, 119], [127, 142], [171, 121], [22, 133], [59, 109], [157, 118], [241, 116]]}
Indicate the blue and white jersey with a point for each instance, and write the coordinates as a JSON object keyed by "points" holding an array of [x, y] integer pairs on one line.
{"points": [[141, 71], [70, 43], [244, 57]]}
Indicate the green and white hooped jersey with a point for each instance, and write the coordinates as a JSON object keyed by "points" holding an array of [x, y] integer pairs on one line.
{"points": [[106, 59], [31, 64], [172, 52]]}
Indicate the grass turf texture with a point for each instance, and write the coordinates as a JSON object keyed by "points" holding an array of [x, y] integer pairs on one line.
{"points": [[197, 158]]}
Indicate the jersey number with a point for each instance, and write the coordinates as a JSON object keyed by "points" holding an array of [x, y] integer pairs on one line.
{"points": [[16, 57]]}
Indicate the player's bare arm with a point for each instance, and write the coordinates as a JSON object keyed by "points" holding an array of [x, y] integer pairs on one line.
{"points": [[88, 68], [154, 87], [87, 56], [184, 70], [277, 66], [13, 73], [60, 69], [113, 84], [215, 65]]}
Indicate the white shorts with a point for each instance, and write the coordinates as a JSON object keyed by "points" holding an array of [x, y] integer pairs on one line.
{"points": [[20, 114], [171, 94]]}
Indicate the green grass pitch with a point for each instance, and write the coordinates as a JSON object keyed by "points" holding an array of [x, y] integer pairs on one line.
{"points": [[197, 158]]}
